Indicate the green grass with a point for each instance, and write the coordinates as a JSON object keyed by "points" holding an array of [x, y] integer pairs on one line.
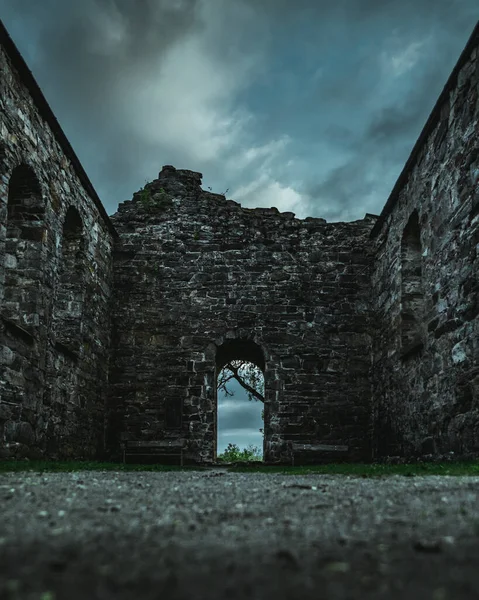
{"points": [[368, 470], [357, 470], [50, 466]]}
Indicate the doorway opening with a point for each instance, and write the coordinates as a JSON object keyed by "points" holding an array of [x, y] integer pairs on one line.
{"points": [[240, 394]]}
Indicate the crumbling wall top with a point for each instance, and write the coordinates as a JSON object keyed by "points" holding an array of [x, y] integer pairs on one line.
{"points": [[173, 186]]}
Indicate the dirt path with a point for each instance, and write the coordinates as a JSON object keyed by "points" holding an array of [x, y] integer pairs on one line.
{"points": [[218, 535]]}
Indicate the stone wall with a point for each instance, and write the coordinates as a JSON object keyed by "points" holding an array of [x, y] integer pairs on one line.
{"points": [[195, 274], [55, 279], [426, 284]]}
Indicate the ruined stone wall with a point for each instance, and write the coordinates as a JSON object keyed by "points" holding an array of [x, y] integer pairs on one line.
{"points": [[193, 270], [368, 339], [426, 285], [55, 275]]}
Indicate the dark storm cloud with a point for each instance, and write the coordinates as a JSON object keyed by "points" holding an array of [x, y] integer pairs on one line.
{"points": [[83, 56], [353, 12], [379, 149], [374, 138], [239, 416], [219, 86], [459, 12], [87, 47], [377, 153]]}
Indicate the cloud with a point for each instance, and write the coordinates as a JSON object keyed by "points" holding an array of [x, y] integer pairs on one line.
{"points": [[242, 416], [311, 107], [261, 156], [241, 438], [402, 60], [266, 192], [376, 147], [239, 420], [193, 91], [351, 190], [237, 411], [143, 83]]}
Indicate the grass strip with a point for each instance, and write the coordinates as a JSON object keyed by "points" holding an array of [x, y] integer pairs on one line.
{"points": [[367, 470], [354, 469]]}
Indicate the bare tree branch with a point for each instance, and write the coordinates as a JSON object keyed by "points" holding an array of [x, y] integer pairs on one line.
{"points": [[252, 392], [223, 379]]}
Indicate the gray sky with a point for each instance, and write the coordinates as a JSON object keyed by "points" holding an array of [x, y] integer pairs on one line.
{"points": [[239, 419], [307, 105]]}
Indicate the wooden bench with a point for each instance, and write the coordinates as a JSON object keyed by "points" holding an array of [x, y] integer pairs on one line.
{"points": [[153, 448], [328, 449]]}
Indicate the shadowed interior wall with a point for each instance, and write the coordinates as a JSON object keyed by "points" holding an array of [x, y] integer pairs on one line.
{"points": [[426, 287], [54, 281]]}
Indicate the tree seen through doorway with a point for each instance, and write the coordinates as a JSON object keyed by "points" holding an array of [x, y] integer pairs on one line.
{"points": [[240, 427]]}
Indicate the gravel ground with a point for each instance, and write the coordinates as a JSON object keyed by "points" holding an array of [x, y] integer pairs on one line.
{"points": [[219, 535]]}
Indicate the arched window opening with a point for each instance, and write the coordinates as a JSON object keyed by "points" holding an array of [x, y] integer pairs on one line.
{"points": [[25, 205], [23, 248], [240, 401], [68, 307], [412, 295]]}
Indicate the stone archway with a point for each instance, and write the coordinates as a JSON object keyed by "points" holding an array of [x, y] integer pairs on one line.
{"points": [[236, 349]]}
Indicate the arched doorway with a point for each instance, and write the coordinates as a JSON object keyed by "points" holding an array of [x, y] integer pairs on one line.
{"points": [[240, 393]]}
